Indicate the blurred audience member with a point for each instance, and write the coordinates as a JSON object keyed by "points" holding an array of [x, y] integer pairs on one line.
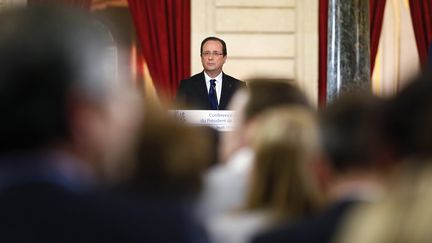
{"points": [[261, 95], [66, 118], [214, 139], [281, 186], [226, 184], [347, 176], [170, 157], [404, 215], [408, 120], [59, 97], [170, 160]]}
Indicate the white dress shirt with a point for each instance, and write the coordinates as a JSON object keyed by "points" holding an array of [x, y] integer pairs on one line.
{"points": [[218, 84], [226, 185]]}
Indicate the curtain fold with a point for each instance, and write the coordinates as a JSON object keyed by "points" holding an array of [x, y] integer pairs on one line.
{"points": [[322, 51], [376, 17], [421, 15], [163, 30]]}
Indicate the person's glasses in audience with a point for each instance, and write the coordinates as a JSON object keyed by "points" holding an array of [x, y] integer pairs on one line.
{"points": [[208, 53]]}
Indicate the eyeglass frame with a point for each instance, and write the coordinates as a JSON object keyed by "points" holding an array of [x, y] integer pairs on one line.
{"points": [[208, 53]]}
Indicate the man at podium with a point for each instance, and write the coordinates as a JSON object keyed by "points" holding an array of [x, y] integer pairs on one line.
{"points": [[210, 89]]}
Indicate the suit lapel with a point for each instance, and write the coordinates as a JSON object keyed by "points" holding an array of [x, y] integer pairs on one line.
{"points": [[201, 90], [227, 91]]}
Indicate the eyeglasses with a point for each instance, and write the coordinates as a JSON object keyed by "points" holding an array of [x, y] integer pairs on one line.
{"points": [[208, 53]]}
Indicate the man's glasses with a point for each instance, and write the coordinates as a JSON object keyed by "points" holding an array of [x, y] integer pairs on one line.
{"points": [[208, 53]]}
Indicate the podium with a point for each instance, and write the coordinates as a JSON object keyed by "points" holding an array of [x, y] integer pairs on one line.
{"points": [[223, 120]]}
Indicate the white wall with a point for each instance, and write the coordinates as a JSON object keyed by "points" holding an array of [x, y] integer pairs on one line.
{"points": [[271, 38]]}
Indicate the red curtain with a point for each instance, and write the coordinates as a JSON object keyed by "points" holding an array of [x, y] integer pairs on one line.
{"points": [[84, 4], [163, 30], [421, 15], [376, 16], [322, 52]]}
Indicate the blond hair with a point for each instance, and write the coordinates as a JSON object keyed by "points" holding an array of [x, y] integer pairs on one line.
{"points": [[404, 214], [285, 143]]}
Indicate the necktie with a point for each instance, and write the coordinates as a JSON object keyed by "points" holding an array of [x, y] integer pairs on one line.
{"points": [[213, 95]]}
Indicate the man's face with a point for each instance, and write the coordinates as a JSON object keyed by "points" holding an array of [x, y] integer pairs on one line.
{"points": [[212, 57]]}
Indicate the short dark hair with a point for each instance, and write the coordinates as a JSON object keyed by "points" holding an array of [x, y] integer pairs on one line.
{"points": [[212, 38], [350, 130], [265, 94], [171, 156], [408, 119], [47, 54]]}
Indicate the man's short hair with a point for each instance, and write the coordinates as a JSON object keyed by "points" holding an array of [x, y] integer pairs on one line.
{"points": [[212, 38], [46, 55], [265, 94], [351, 131], [408, 119]]}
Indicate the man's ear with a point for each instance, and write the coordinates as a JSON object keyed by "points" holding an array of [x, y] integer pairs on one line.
{"points": [[87, 128]]}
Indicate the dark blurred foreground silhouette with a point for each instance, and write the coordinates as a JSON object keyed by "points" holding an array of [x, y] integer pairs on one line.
{"points": [[404, 214], [68, 119]]}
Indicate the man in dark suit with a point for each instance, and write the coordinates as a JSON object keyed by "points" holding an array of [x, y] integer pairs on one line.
{"points": [[64, 114], [211, 89]]}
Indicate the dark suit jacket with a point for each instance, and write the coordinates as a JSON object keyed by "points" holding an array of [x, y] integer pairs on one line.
{"points": [[193, 93], [35, 208], [319, 229]]}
